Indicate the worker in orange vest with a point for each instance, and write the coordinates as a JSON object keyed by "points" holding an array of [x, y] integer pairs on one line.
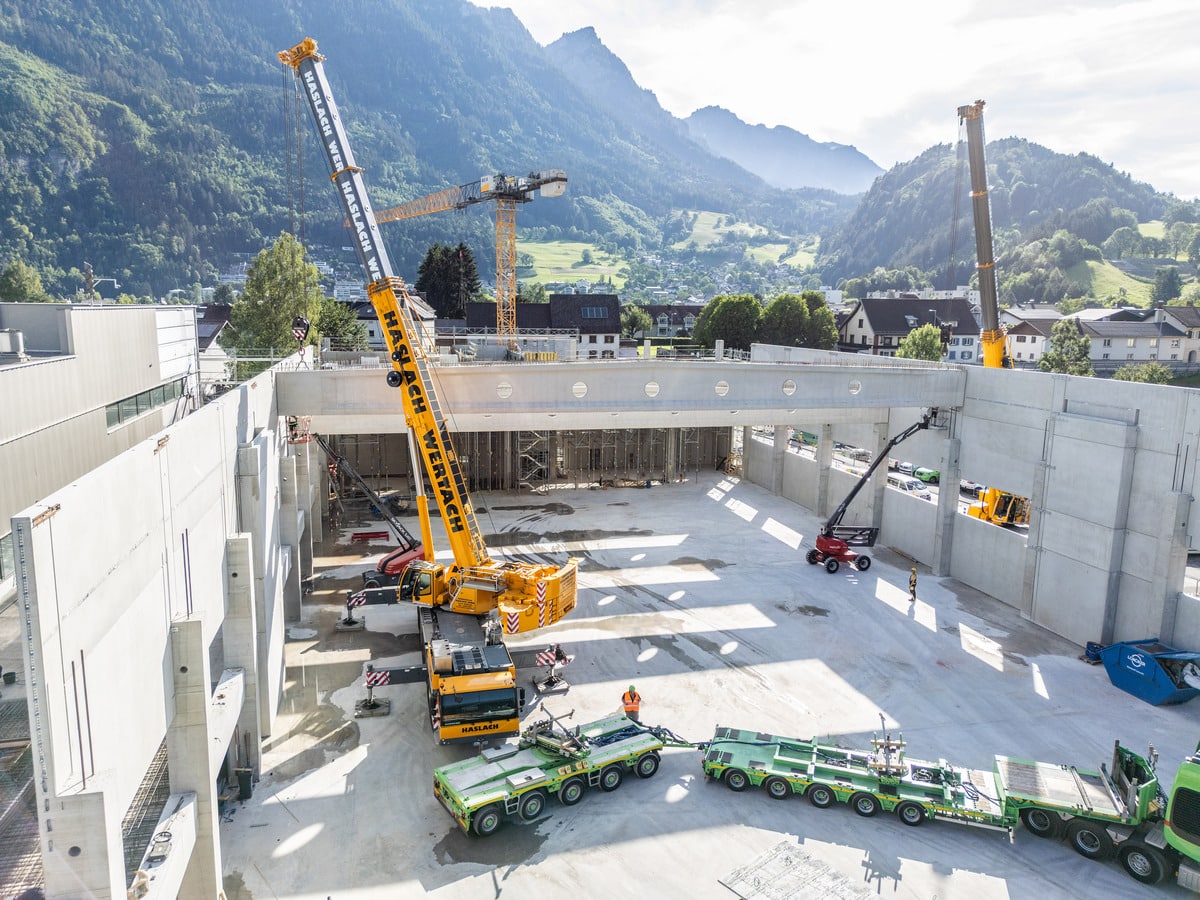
{"points": [[632, 701]]}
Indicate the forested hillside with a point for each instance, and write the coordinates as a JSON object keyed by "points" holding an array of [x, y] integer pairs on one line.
{"points": [[148, 136]]}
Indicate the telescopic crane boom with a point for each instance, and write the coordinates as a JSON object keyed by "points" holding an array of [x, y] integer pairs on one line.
{"points": [[507, 191], [527, 596], [993, 337]]}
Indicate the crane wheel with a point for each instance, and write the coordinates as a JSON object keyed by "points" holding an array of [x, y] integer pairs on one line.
{"points": [[736, 780], [813, 557], [610, 778], [862, 563], [911, 813], [646, 765], [532, 805], [1090, 839], [777, 788], [487, 820], [571, 791], [831, 565], [820, 796], [866, 805], [1041, 823], [1145, 863]]}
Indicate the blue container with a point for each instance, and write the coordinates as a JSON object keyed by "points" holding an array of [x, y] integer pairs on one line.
{"points": [[1153, 671]]}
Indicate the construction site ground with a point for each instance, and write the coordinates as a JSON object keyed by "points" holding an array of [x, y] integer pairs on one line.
{"points": [[698, 593]]}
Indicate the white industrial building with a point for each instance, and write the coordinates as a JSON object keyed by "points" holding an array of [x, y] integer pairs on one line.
{"points": [[156, 558]]}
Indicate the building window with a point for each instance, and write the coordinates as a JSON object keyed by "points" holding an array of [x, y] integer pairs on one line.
{"points": [[1154, 356], [1174, 356], [1175, 344], [1107, 342], [131, 407], [1020, 338], [1130, 342], [886, 340], [608, 339], [591, 339], [1153, 342], [1129, 356], [594, 312], [860, 323], [950, 355], [689, 321], [1104, 356], [966, 354], [864, 340]]}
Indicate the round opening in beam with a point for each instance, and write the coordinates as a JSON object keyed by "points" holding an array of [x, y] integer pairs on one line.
{"points": [[652, 389], [789, 387], [722, 388], [579, 389], [504, 390], [855, 387]]}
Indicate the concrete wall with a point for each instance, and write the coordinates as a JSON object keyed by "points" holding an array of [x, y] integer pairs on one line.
{"points": [[109, 569]]}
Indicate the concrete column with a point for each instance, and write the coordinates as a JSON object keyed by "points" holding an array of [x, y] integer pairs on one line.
{"points": [[305, 503], [240, 634], [1171, 560], [1034, 536], [778, 455], [188, 756], [825, 504], [670, 459], [747, 443], [320, 479], [289, 538], [876, 495], [82, 856], [947, 514]]}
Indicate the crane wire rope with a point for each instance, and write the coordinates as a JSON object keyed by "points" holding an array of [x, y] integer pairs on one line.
{"points": [[959, 167]]}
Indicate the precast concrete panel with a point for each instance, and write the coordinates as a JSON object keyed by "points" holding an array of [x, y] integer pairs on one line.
{"points": [[988, 558], [1070, 597], [907, 524], [1090, 460]]}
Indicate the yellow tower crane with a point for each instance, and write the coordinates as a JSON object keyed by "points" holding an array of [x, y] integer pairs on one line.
{"points": [[507, 191]]}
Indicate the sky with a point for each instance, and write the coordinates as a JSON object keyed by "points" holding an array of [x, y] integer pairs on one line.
{"points": [[1118, 79]]}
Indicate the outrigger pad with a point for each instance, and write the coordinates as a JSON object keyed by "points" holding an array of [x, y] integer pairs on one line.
{"points": [[376, 707]]}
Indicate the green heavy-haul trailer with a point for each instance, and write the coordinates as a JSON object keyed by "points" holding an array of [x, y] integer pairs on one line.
{"points": [[1121, 809]]}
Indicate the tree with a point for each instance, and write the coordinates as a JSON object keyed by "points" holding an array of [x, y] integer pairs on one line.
{"points": [[1152, 372], [784, 321], [447, 278], [21, 283], [1070, 350], [821, 331], [224, 294], [532, 293], [922, 343], [1167, 285], [730, 318], [344, 329], [280, 285], [635, 321]]}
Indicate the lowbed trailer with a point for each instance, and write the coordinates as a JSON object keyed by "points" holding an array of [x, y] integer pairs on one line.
{"points": [[515, 780], [1119, 809]]}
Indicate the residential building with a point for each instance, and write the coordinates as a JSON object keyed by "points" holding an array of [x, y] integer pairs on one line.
{"points": [[671, 319], [876, 325]]}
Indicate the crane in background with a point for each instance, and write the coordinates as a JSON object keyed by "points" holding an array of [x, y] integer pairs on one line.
{"points": [[993, 337], [507, 191]]}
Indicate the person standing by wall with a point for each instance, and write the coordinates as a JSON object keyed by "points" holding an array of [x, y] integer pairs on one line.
{"points": [[631, 700]]}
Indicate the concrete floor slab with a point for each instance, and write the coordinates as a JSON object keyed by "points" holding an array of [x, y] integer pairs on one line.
{"points": [[699, 594]]}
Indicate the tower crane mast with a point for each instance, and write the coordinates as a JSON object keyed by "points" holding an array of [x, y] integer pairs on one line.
{"points": [[508, 191]]}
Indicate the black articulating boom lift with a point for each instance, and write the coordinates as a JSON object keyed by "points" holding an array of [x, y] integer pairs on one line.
{"points": [[835, 539]]}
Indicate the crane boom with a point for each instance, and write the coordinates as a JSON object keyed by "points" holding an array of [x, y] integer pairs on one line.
{"points": [[507, 191], [527, 596], [993, 337]]}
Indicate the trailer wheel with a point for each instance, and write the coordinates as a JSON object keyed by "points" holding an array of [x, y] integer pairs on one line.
{"points": [[831, 565], [1090, 839], [610, 778], [866, 805], [1145, 863], [862, 563], [778, 788], [911, 813], [736, 780], [1041, 823], [487, 820], [532, 805], [820, 796], [813, 557], [571, 791], [646, 765]]}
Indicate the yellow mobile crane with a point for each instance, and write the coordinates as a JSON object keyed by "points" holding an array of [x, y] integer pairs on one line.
{"points": [[526, 596], [507, 191], [993, 337]]}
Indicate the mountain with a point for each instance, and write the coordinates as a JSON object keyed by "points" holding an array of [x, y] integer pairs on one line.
{"points": [[153, 138], [781, 156]]}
